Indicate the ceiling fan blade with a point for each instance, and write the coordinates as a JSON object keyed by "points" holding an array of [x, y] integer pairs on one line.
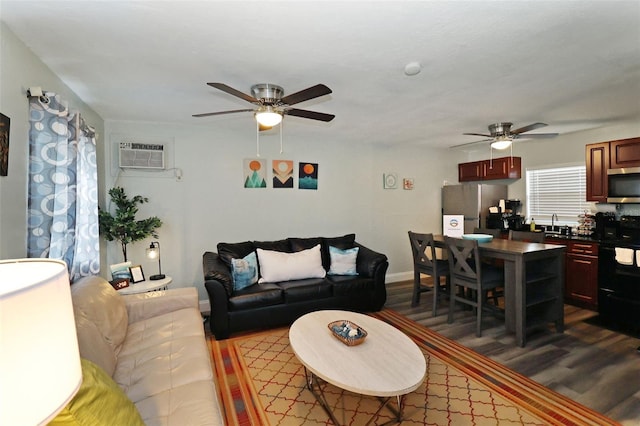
{"points": [[306, 94], [230, 90], [313, 115], [478, 134], [207, 114], [472, 143], [528, 128], [537, 136]]}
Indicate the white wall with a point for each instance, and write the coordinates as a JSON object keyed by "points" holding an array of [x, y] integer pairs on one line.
{"points": [[19, 70], [209, 203]]}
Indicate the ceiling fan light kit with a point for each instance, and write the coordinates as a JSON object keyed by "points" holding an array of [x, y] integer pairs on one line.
{"points": [[268, 116], [501, 143]]}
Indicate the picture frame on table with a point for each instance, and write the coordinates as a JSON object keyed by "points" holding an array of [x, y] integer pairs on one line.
{"points": [[137, 275]]}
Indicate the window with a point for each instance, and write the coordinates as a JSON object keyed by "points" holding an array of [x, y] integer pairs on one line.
{"points": [[560, 190]]}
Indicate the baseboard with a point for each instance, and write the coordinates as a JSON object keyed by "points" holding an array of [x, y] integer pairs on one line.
{"points": [[399, 276], [205, 309]]}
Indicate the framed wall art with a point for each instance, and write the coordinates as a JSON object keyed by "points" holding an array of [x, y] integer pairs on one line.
{"points": [[407, 183], [308, 176], [390, 180], [282, 173], [255, 173], [4, 144]]}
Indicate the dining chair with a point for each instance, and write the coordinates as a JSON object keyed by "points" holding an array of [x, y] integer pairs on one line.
{"points": [[529, 237], [495, 233], [425, 261], [467, 271]]}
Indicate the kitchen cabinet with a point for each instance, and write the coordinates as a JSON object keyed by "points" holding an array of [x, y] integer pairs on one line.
{"points": [[497, 168], [581, 272], [600, 157], [468, 172], [597, 164], [624, 153]]}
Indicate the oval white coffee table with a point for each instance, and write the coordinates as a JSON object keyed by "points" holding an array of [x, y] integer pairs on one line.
{"points": [[387, 364]]}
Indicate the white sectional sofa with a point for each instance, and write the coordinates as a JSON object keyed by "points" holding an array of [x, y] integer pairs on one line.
{"points": [[153, 346]]}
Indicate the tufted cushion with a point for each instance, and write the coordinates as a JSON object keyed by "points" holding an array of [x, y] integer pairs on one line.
{"points": [[228, 251], [298, 244], [102, 305], [279, 245], [345, 242], [92, 344]]}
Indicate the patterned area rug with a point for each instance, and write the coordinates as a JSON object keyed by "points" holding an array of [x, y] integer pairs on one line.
{"points": [[260, 382]]}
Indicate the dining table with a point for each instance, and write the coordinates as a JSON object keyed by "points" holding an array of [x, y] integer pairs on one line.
{"points": [[533, 283]]}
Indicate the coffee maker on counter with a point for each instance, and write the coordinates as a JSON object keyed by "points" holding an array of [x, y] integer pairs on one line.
{"points": [[506, 216]]}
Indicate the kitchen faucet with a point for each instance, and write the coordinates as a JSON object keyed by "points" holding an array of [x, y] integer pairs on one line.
{"points": [[553, 216]]}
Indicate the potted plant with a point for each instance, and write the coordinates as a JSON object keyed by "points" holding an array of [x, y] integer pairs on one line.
{"points": [[123, 226]]}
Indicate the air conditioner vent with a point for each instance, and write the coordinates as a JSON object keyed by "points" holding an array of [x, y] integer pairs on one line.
{"points": [[141, 156]]}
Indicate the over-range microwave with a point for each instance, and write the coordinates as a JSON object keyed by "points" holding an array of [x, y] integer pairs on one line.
{"points": [[624, 185]]}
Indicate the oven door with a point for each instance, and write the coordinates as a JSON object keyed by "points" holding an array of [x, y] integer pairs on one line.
{"points": [[618, 288]]}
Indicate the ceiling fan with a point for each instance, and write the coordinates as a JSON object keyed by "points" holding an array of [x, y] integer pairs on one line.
{"points": [[501, 135], [270, 104]]}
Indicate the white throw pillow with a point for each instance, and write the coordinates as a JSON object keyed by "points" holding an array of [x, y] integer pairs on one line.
{"points": [[276, 266]]}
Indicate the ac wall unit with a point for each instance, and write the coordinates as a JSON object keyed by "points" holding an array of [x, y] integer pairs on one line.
{"points": [[141, 155]]}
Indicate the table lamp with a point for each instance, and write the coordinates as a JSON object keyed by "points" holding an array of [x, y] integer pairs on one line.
{"points": [[39, 358], [153, 252]]}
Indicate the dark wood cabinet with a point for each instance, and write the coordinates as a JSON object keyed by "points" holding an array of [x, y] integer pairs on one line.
{"points": [[581, 272], [624, 153], [470, 171], [597, 164], [502, 168], [497, 168]]}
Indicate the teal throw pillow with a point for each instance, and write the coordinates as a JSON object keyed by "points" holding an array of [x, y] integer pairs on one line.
{"points": [[244, 271], [343, 262]]}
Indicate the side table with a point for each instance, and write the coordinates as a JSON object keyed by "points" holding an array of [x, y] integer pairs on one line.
{"points": [[147, 285]]}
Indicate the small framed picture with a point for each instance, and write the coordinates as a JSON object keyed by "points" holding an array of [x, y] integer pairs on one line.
{"points": [[407, 183], [390, 180], [136, 274]]}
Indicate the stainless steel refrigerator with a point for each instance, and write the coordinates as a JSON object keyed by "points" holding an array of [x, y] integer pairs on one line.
{"points": [[472, 201]]}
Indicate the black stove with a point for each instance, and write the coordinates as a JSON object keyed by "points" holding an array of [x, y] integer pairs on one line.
{"points": [[619, 274]]}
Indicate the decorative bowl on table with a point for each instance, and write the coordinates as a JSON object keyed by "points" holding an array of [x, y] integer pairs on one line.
{"points": [[349, 333], [481, 238]]}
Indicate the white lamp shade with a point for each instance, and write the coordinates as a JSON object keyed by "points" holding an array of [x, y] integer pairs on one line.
{"points": [[501, 144], [39, 358], [268, 117]]}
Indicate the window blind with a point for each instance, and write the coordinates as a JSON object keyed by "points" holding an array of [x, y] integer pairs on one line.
{"points": [[560, 190]]}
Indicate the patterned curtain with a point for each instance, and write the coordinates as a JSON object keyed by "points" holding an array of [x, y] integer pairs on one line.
{"points": [[63, 188]]}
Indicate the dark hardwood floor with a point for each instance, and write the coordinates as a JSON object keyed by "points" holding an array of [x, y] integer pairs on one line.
{"points": [[590, 364]]}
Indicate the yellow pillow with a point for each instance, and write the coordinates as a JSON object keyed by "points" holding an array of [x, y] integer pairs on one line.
{"points": [[99, 401]]}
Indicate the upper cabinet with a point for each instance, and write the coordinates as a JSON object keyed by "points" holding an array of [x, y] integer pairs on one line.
{"points": [[597, 162], [497, 168], [625, 153], [603, 156]]}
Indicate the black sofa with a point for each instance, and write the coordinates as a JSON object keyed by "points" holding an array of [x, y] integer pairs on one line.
{"points": [[274, 304]]}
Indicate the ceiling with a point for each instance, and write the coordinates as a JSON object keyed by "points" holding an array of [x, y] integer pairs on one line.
{"points": [[574, 65]]}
